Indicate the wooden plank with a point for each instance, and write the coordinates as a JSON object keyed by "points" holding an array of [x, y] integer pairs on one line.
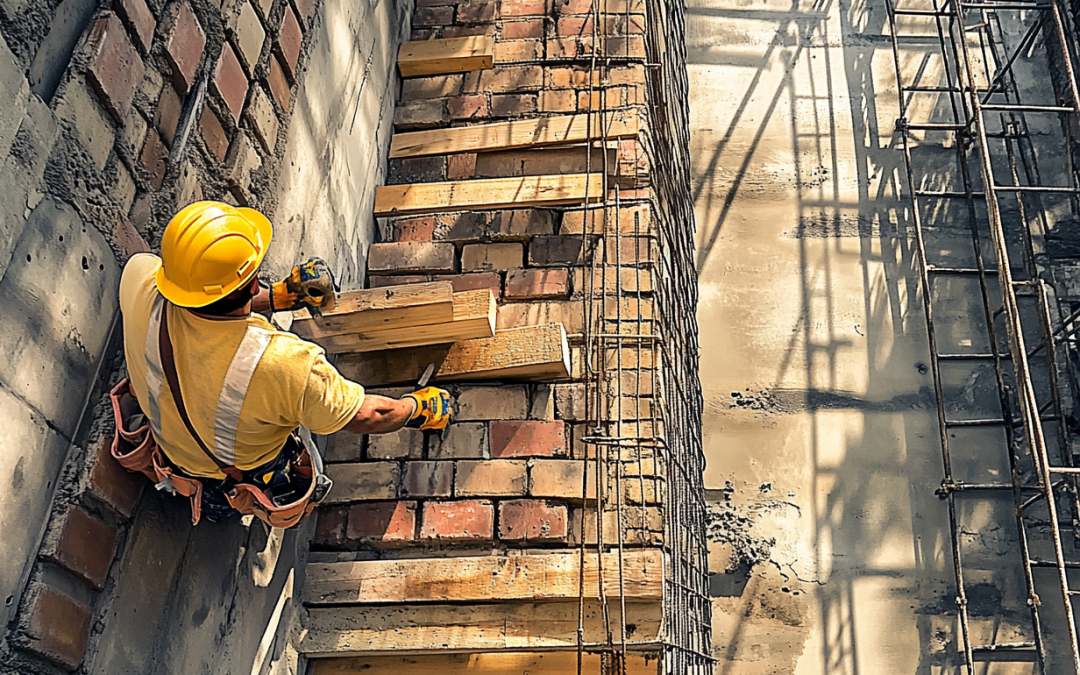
{"points": [[535, 353], [451, 55], [380, 309], [474, 317], [548, 576], [492, 193], [519, 663], [510, 626], [528, 133]]}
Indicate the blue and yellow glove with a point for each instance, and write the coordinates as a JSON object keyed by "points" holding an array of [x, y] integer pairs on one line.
{"points": [[433, 409], [308, 285]]}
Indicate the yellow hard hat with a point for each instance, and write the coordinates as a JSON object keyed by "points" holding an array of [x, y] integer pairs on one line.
{"points": [[209, 250]]}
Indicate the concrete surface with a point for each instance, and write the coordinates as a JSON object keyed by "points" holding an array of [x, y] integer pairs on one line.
{"points": [[832, 551]]}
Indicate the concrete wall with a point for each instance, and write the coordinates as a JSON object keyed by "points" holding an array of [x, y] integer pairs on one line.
{"points": [[80, 190]]}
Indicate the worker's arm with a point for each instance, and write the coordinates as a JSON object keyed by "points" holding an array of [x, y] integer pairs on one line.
{"points": [[380, 415]]}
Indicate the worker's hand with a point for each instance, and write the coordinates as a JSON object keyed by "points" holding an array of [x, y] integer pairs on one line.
{"points": [[308, 285], [433, 409]]}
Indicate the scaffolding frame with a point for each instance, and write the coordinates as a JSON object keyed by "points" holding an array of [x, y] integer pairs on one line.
{"points": [[988, 126]]}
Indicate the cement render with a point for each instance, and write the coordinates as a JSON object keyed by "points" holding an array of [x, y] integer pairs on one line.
{"points": [[820, 426]]}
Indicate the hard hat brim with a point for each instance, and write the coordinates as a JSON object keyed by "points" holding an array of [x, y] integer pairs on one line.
{"points": [[193, 300]]}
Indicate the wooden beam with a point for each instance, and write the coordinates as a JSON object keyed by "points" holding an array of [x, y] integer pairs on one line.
{"points": [[518, 663], [527, 133], [512, 626], [535, 353], [380, 309], [474, 317], [493, 193], [452, 55], [547, 576]]}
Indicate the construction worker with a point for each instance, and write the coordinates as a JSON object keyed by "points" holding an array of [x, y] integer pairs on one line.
{"points": [[244, 388]]}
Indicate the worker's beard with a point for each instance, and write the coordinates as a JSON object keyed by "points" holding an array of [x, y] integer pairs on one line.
{"points": [[233, 301]]}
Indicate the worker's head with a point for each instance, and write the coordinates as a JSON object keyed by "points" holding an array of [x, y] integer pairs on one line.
{"points": [[211, 250]]}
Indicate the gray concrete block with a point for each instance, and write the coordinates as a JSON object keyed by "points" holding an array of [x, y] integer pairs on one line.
{"points": [[54, 53], [60, 291], [15, 88], [79, 109]]}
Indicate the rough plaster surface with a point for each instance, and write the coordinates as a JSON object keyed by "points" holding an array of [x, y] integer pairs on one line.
{"points": [[832, 550]]}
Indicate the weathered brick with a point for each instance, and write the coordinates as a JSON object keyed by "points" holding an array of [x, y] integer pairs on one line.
{"points": [[433, 16], [264, 119], [461, 167], [477, 11], [518, 30], [557, 100], [470, 107], [607, 6], [303, 10], [330, 526], [139, 19], [528, 438], [56, 627], [438, 86], [507, 402], [213, 133], [512, 78], [490, 478], [279, 86], [154, 158], [518, 50], [570, 402], [241, 160], [632, 74], [601, 99], [382, 522], [524, 8], [167, 115], [184, 43], [493, 226], [381, 282], [463, 440], [485, 257], [532, 520], [633, 45], [401, 444], [363, 481], [569, 313], [421, 114], [612, 24], [289, 41], [487, 29], [460, 520], [85, 547], [250, 36], [474, 282], [344, 447], [109, 482], [537, 284], [562, 479], [414, 229], [416, 170], [556, 250], [230, 82], [422, 34], [567, 77], [429, 479], [568, 47], [512, 105], [115, 68], [631, 219], [409, 257]]}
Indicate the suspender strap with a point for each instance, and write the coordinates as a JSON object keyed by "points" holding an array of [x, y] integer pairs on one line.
{"points": [[168, 364]]}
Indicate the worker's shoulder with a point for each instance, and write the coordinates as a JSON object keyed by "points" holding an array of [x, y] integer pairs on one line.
{"points": [[142, 265], [289, 350]]}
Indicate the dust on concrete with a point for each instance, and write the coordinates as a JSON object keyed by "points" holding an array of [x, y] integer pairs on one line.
{"points": [[733, 525]]}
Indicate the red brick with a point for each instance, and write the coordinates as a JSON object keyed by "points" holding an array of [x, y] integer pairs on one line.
{"points": [[289, 41], [139, 19], [473, 282], [330, 527], [574, 6], [154, 157], [613, 24], [429, 479], [382, 522], [471, 107], [516, 30], [110, 482], [411, 257], [510, 105], [380, 282], [57, 627], [184, 45], [537, 284], [526, 438], [531, 520], [217, 141], [303, 10], [461, 167], [477, 11], [466, 31], [518, 50], [115, 69], [85, 547], [469, 519], [566, 48], [512, 78], [230, 82], [433, 16], [555, 250], [559, 100], [167, 116], [414, 229], [491, 478], [279, 86], [524, 8]]}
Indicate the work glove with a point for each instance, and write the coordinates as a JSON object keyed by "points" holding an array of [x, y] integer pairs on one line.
{"points": [[433, 409], [308, 285]]}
